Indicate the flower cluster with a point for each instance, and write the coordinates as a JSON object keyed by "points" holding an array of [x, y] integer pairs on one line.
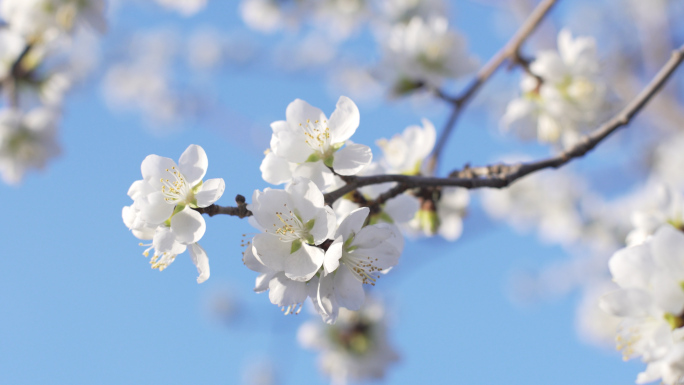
{"points": [[650, 303], [562, 95], [309, 145], [356, 348], [425, 52], [302, 252], [36, 35], [163, 203], [327, 253]]}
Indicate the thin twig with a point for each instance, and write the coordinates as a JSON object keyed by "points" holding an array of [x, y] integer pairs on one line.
{"points": [[509, 51], [501, 175]]}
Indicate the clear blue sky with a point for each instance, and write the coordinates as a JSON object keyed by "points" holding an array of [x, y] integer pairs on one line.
{"points": [[80, 305]]}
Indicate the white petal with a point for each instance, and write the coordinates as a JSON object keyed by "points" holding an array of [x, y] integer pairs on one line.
{"points": [[303, 263], [252, 263], [627, 303], [276, 170], [353, 223], [193, 164], [344, 121], [262, 281], [164, 241], [291, 145], [211, 191], [317, 172], [286, 292], [271, 251], [139, 188], [299, 111], [450, 227], [402, 208], [549, 66], [632, 267], [668, 293], [266, 205], [325, 297], [306, 197], [349, 289], [352, 158], [668, 250], [188, 226], [154, 209], [333, 255], [201, 261], [154, 168], [324, 226]]}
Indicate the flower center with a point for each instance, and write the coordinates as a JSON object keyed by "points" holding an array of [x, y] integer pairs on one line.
{"points": [[362, 266], [291, 227], [175, 190], [317, 136]]}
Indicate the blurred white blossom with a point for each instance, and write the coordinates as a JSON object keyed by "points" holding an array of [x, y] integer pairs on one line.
{"points": [[564, 95], [27, 141], [45, 19], [424, 52], [650, 303], [356, 348]]}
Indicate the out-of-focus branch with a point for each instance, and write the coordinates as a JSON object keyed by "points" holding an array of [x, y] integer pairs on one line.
{"points": [[16, 73], [502, 175], [510, 51]]}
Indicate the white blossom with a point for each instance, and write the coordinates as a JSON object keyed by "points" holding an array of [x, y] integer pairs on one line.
{"points": [[356, 348], [307, 144], [295, 221], [303, 253], [564, 95], [263, 15], [27, 141], [356, 257], [163, 207], [424, 52], [650, 302], [405, 152], [666, 206], [45, 19]]}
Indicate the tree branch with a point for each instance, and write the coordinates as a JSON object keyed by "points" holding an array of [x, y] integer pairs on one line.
{"points": [[239, 211], [502, 175], [509, 51]]}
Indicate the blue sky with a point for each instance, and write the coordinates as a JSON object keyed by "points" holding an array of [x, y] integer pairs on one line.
{"points": [[80, 305]]}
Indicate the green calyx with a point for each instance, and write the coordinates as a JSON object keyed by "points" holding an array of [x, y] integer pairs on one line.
{"points": [[310, 224], [405, 85], [296, 245], [429, 221], [329, 161], [674, 321], [315, 157]]}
